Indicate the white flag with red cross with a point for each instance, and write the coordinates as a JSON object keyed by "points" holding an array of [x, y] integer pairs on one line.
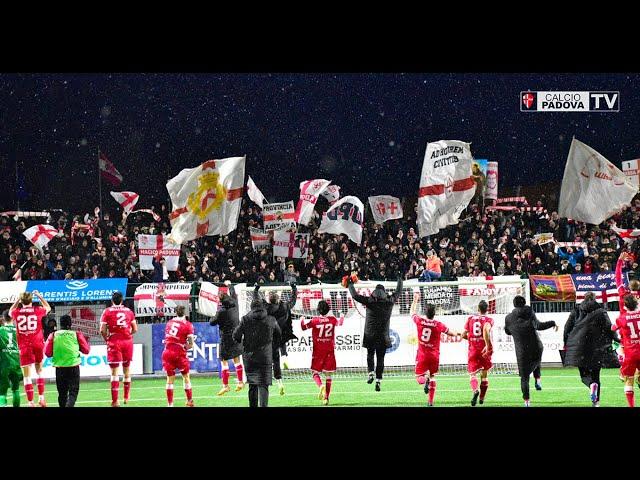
{"points": [[309, 191], [208, 299], [290, 244], [385, 207], [127, 200], [629, 235], [206, 199], [150, 246], [259, 238], [161, 299], [40, 235], [446, 185]]}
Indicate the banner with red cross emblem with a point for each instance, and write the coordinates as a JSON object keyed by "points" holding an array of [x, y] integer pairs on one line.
{"points": [[385, 207], [40, 235], [161, 299], [206, 199], [290, 244]]}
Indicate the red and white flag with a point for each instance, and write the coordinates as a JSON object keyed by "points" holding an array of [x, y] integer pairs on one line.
{"points": [[151, 245], [629, 235], [208, 299], [206, 199], [345, 216], [290, 244], [259, 238], [278, 216], [446, 185], [385, 207], [108, 170], [602, 296], [309, 191], [161, 299], [331, 193], [254, 193], [40, 235], [155, 216], [127, 200]]}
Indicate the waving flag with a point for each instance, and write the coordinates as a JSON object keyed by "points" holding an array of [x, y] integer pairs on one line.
{"points": [[108, 170], [208, 299], [629, 235], [127, 200], [40, 235], [385, 207], [593, 188], [309, 191], [331, 193], [446, 185], [255, 194], [344, 216], [206, 199]]}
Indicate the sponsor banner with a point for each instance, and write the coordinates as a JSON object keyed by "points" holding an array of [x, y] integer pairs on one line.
{"points": [[203, 357], [10, 291], [161, 299], [491, 191], [86, 318], [631, 169], [278, 216], [77, 290], [208, 299], [290, 245], [151, 245], [569, 101], [555, 288], [95, 364]]}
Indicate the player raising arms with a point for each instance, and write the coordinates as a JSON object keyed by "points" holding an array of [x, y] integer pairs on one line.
{"points": [[477, 330], [628, 323], [178, 338], [428, 356], [324, 355], [30, 340], [634, 289], [117, 326]]}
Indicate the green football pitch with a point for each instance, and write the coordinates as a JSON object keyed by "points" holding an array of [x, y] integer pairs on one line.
{"points": [[560, 388]]}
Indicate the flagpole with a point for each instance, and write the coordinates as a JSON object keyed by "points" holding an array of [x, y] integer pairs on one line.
{"points": [[99, 184]]}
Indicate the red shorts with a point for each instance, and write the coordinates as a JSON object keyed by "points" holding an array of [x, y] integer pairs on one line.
{"points": [[175, 359], [323, 361], [629, 365], [31, 352], [478, 362], [427, 362], [119, 351]]}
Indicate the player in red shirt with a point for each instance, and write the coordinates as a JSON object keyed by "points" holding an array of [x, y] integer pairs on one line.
{"points": [[628, 323], [117, 326], [324, 356], [477, 330], [634, 289], [178, 338], [428, 357], [30, 338]]}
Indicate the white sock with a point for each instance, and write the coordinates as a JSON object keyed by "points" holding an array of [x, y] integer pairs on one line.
{"points": [[279, 382]]}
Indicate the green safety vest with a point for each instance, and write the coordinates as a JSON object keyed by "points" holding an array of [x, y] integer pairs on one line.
{"points": [[66, 349]]}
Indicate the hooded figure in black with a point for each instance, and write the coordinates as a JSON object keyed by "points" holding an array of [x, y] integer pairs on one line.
{"points": [[258, 331], [227, 320], [523, 325], [587, 340], [376, 328], [281, 311]]}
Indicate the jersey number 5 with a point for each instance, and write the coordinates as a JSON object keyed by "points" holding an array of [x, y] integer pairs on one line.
{"points": [[173, 330]]}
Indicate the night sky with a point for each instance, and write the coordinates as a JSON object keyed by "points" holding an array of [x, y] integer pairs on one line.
{"points": [[366, 132]]}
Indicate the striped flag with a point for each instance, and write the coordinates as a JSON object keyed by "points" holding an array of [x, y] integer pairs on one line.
{"points": [[602, 296], [259, 238], [108, 170]]}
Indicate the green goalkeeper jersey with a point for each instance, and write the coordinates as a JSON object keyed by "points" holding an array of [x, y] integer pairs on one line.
{"points": [[9, 353]]}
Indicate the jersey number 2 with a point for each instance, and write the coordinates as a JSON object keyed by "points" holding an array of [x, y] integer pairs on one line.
{"points": [[121, 320]]}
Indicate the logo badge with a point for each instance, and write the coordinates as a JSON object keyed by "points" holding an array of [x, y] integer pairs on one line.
{"points": [[528, 100]]}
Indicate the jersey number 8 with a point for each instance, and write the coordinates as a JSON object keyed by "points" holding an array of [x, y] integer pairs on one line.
{"points": [[477, 329]]}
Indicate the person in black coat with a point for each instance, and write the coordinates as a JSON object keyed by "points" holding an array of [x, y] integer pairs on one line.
{"points": [[376, 328], [158, 269], [587, 340], [281, 311], [523, 326], [227, 320], [258, 331]]}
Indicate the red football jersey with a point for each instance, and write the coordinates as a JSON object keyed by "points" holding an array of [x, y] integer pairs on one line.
{"points": [[629, 325], [177, 331], [622, 289], [475, 326], [323, 333], [429, 333], [118, 318], [29, 322]]}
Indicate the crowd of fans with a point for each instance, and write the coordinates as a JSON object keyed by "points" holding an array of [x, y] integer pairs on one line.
{"points": [[483, 243]]}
